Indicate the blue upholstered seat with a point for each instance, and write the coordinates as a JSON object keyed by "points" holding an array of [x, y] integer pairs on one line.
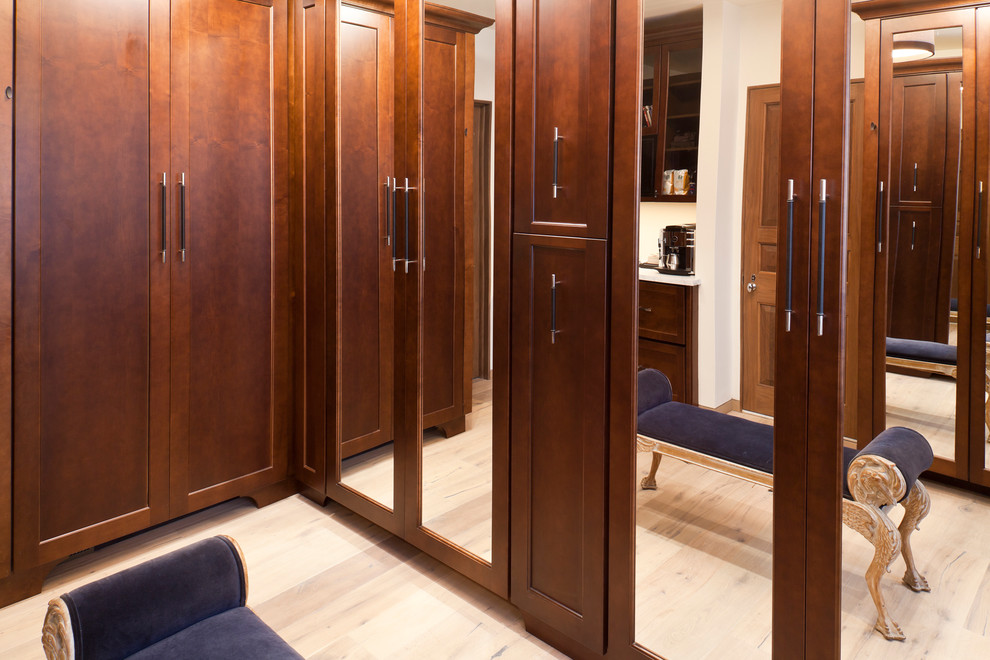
{"points": [[925, 351], [750, 444], [189, 603]]}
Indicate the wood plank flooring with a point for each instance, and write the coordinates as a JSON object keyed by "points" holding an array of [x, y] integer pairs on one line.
{"points": [[332, 584]]}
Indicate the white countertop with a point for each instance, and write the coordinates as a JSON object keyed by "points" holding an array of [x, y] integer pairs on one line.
{"points": [[652, 275]]}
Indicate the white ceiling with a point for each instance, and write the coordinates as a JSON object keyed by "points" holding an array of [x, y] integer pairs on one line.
{"points": [[654, 8], [479, 7]]}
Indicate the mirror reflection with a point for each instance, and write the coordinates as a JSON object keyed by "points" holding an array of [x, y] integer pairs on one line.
{"points": [[366, 268], [709, 210], [458, 102]]}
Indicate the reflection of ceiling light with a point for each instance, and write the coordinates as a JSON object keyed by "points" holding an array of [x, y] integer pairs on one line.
{"points": [[914, 46]]}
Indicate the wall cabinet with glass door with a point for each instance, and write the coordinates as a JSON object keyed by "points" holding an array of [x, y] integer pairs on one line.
{"points": [[671, 108]]}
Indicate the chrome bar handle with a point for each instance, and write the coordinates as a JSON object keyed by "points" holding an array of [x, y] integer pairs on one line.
{"points": [[406, 189], [553, 308], [422, 234], [163, 189], [788, 309], [182, 216], [915, 178], [388, 195], [556, 153], [914, 233], [880, 219], [822, 200], [395, 190], [979, 221]]}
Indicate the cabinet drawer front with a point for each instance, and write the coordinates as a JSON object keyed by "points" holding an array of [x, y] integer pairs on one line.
{"points": [[661, 312], [671, 360]]}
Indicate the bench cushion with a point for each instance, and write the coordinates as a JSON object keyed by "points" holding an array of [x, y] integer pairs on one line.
{"points": [[713, 433], [236, 634], [925, 351], [905, 448], [653, 389]]}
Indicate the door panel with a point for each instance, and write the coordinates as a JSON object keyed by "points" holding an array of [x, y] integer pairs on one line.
{"points": [[915, 238], [365, 272], [917, 151], [443, 200], [230, 286], [761, 177], [6, 281], [563, 83], [559, 365], [89, 459]]}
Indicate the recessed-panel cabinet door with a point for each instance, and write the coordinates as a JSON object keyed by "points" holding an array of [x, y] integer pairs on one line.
{"points": [[366, 244], [90, 283], [563, 89], [558, 433], [443, 275], [230, 278]]}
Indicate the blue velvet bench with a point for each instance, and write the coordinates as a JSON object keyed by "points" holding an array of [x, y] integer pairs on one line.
{"points": [[882, 474], [189, 603]]}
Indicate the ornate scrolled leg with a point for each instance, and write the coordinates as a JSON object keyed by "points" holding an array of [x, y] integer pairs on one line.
{"points": [[879, 530], [649, 482], [916, 507], [56, 634]]}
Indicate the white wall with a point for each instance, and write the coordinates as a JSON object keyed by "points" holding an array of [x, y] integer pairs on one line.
{"points": [[741, 49]]}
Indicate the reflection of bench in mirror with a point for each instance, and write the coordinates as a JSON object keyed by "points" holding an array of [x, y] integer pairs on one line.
{"points": [[931, 357], [881, 475]]}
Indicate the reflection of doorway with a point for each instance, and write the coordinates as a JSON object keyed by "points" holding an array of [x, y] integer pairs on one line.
{"points": [[482, 238]]}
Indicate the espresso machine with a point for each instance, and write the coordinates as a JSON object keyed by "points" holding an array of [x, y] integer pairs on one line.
{"points": [[677, 250]]}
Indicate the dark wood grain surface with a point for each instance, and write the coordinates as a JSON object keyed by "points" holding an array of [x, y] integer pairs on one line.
{"points": [[6, 276]]}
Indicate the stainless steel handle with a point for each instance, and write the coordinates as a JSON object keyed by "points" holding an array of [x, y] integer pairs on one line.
{"points": [[979, 221], [822, 201], [914, 233], [422, 232], [395, 189], [182, 216], [163, 190], [388, 195], [880, 219], [915, 177], [646, 309], [406, 189], [751, 287], [788, 309], [553, 308], [556, 154]]}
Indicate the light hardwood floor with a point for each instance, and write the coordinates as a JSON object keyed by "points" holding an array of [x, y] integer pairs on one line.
{"points": [[333, 585], [927, 405]]}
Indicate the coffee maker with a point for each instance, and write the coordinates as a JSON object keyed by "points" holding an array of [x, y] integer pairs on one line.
{"points": [[677, 249]]}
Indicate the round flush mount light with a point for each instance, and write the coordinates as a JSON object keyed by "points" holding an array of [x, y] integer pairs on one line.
{"points": [[914, 46]]}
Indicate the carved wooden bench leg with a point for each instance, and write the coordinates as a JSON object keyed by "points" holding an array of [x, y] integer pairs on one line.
{"points": [[879, 530], [916, 507], [649, 482]]}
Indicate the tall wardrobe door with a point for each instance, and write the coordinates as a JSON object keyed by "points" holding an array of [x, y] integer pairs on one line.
{"points": [[558, 484], [365, 268], [563, 89], [90, 286], [443, 276], [230, 283]]}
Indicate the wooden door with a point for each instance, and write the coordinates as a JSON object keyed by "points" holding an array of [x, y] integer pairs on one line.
{"points": [[558, 433], [761, 198], [915, 239], [6, 279], [90, 284], [563, 79], [365, 267], [977, 428], [917, 152], [448, 69], [230, 365]]}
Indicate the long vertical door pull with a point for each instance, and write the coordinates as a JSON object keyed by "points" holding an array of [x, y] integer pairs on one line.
{"points": [[979, 221], [553, 308], [880, 219], [395, 190], [182, 216], [406, 190], [823, 197], [163, 189], [556, 154], [915, 178], [388, 229], [788, 309]]}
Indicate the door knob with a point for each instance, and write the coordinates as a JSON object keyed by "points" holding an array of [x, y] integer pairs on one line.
{"points": [[751, 287]]}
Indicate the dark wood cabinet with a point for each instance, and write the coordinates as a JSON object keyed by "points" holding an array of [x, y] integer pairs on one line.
{"points": [[668, 335], [364, 262], [559, 353], [151, 276], [6, 280], [924, 161], [562, 111], [671, 108]]}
